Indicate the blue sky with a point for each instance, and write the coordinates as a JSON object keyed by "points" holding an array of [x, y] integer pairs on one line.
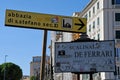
{"points": [[21, 44]]}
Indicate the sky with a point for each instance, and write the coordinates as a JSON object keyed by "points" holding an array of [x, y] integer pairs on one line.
{"points": [[21, 44]]}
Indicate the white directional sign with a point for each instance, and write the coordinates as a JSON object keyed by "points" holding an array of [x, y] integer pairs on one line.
{"points": [[85, 56]]}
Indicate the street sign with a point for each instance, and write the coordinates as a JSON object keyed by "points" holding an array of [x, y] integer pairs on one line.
{"points": [[84, 56], [45, 21]]}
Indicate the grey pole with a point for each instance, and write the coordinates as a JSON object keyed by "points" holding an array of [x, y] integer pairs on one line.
{"points": [[42, 68]]}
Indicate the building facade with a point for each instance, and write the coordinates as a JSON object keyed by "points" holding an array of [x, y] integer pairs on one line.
{"points": [[25, 77], [35, 66], [60, 37], [103, 23]]}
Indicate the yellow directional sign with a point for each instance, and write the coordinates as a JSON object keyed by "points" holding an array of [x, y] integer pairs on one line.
{"points": [[45, 21]]}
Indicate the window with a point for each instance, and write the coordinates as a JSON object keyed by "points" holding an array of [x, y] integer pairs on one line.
{"points": [[117, 52], [58, 33], [85, 76], [93, 24], [36, 59], [98, 21], [98, 6], [93, 10], [98, 36], [89, 14], [117, 34], [118, 70], [90, 28], [117, 16], [86, 16], [115, 2]]}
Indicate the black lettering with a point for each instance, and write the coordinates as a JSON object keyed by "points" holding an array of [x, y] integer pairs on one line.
{"points": [[85, 54], [110, 62], [19, 22], [89, 54], [85, 47], [10, 20], [23, 22], [31, 23], [71, 48], [43, 24], [26, 22], [56, 25], [13, 15], [24, 16], [47, 24], [93, 54], [50, 25], [21, 16], [16, 21], [98, 53], [102, 54], [17, 15], [39, 23], [108, 53], [35, 23], [78, 54], [29, 16], [9, 14]]}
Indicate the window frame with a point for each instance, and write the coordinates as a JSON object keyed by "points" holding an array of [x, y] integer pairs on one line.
{"points": [[98, 21], [94, 10], [93, 24], [117, 17], [89, 14], [90, 28], [115, 2], [98, 5], [117, 34]]}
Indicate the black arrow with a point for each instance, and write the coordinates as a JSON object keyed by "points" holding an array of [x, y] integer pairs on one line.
{"points": [[81, 25]]}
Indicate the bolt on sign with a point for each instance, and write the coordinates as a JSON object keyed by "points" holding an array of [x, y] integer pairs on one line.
{"points": [[45, 21], [85, 56]]}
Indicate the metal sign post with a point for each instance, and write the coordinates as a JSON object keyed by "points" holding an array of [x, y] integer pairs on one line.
{"points": [[78, 76], [42, 68], [91, 76]]}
